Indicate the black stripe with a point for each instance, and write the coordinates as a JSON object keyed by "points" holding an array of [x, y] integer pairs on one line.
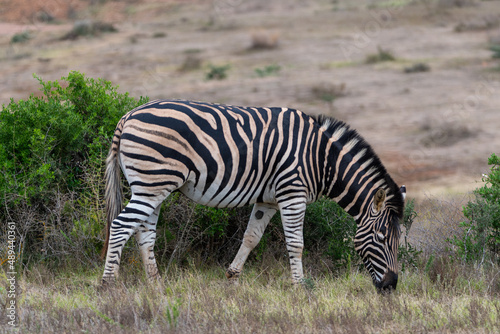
{"points": [[142, 203], [157, 171], [129, 210], [153, 184]]}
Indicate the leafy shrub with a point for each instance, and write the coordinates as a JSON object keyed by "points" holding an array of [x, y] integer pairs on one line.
{"points": [[268, 70], [217, 72], [330, 231], [52, 158], [46, 140], [211, 221], [481, 237], [21, 37], [495, 48]]}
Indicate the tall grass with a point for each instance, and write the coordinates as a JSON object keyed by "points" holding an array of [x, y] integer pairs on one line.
{"points": [[193, 300]]}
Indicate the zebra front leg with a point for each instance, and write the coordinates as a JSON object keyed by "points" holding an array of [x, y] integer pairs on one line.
{"points": [[260, 217], [146, 237], [127, 223], [292, 217]]}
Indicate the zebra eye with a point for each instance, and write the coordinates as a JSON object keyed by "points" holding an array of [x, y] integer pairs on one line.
{"points": [[381, 236]]}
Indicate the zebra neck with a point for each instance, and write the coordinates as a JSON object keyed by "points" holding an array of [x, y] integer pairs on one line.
{"points": [[353, 188], [355, 200], [351, 171]]}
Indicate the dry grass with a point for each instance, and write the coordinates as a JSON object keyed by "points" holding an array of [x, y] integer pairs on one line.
{"points": [[201, 301], [445, 134], [437, 220]]}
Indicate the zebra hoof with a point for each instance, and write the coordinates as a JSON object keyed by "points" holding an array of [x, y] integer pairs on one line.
{"points": [[232, 276]]}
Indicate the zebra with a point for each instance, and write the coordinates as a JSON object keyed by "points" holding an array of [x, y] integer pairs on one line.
{"points": [[227, 156]]}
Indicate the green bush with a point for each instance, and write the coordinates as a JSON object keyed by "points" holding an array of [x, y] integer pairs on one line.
{"points": [[330, 231], [495, 48], [216, 72], [47, 140], [21, 37], [481, 237], [211, 221], [268, 70], [52, 159]]}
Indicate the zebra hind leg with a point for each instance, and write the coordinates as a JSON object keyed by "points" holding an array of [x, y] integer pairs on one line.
{"points": [[146, 237], [136, 213], [260, 217]]}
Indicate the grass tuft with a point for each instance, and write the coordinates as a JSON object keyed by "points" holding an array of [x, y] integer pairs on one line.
{"points": [[328, 92], [268, 70], [87, 28], [416, 68], [217, 72], [21, 37], [381, 56]]}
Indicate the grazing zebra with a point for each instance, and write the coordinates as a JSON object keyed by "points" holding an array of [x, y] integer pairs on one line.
{"points": [[226, 156]]}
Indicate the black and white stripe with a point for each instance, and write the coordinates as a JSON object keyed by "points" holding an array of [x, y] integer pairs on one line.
{"points": [[226, 156]]}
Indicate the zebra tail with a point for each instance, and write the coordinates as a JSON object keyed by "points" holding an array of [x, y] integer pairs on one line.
{"points": [[113, 192]]}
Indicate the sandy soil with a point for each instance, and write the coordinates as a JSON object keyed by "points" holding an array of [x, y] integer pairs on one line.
{"points": [[433, 130]]}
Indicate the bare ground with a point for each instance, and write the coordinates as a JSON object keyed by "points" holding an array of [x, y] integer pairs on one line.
{"points": [[433, 130]]}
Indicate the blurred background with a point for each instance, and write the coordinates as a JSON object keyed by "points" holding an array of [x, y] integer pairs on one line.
{"points": [[420, 80]]}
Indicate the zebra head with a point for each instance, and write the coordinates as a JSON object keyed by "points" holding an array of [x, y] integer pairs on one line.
{"points": [[377, 238]]}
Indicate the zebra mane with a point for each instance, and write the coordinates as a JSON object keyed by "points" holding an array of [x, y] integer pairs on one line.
{"points": [[344, 135]]}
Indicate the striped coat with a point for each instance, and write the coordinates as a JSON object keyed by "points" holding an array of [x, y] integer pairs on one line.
{"points": [[226, 156]]}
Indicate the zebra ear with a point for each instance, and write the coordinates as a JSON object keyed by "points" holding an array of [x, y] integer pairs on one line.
{"points": [[378, 200], [403, 192]]}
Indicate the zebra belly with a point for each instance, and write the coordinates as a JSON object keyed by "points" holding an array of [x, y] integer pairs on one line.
{"points": [[228, 198]]}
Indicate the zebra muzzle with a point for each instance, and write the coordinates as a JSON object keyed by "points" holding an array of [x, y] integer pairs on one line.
{"points": [[388, 282]]}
